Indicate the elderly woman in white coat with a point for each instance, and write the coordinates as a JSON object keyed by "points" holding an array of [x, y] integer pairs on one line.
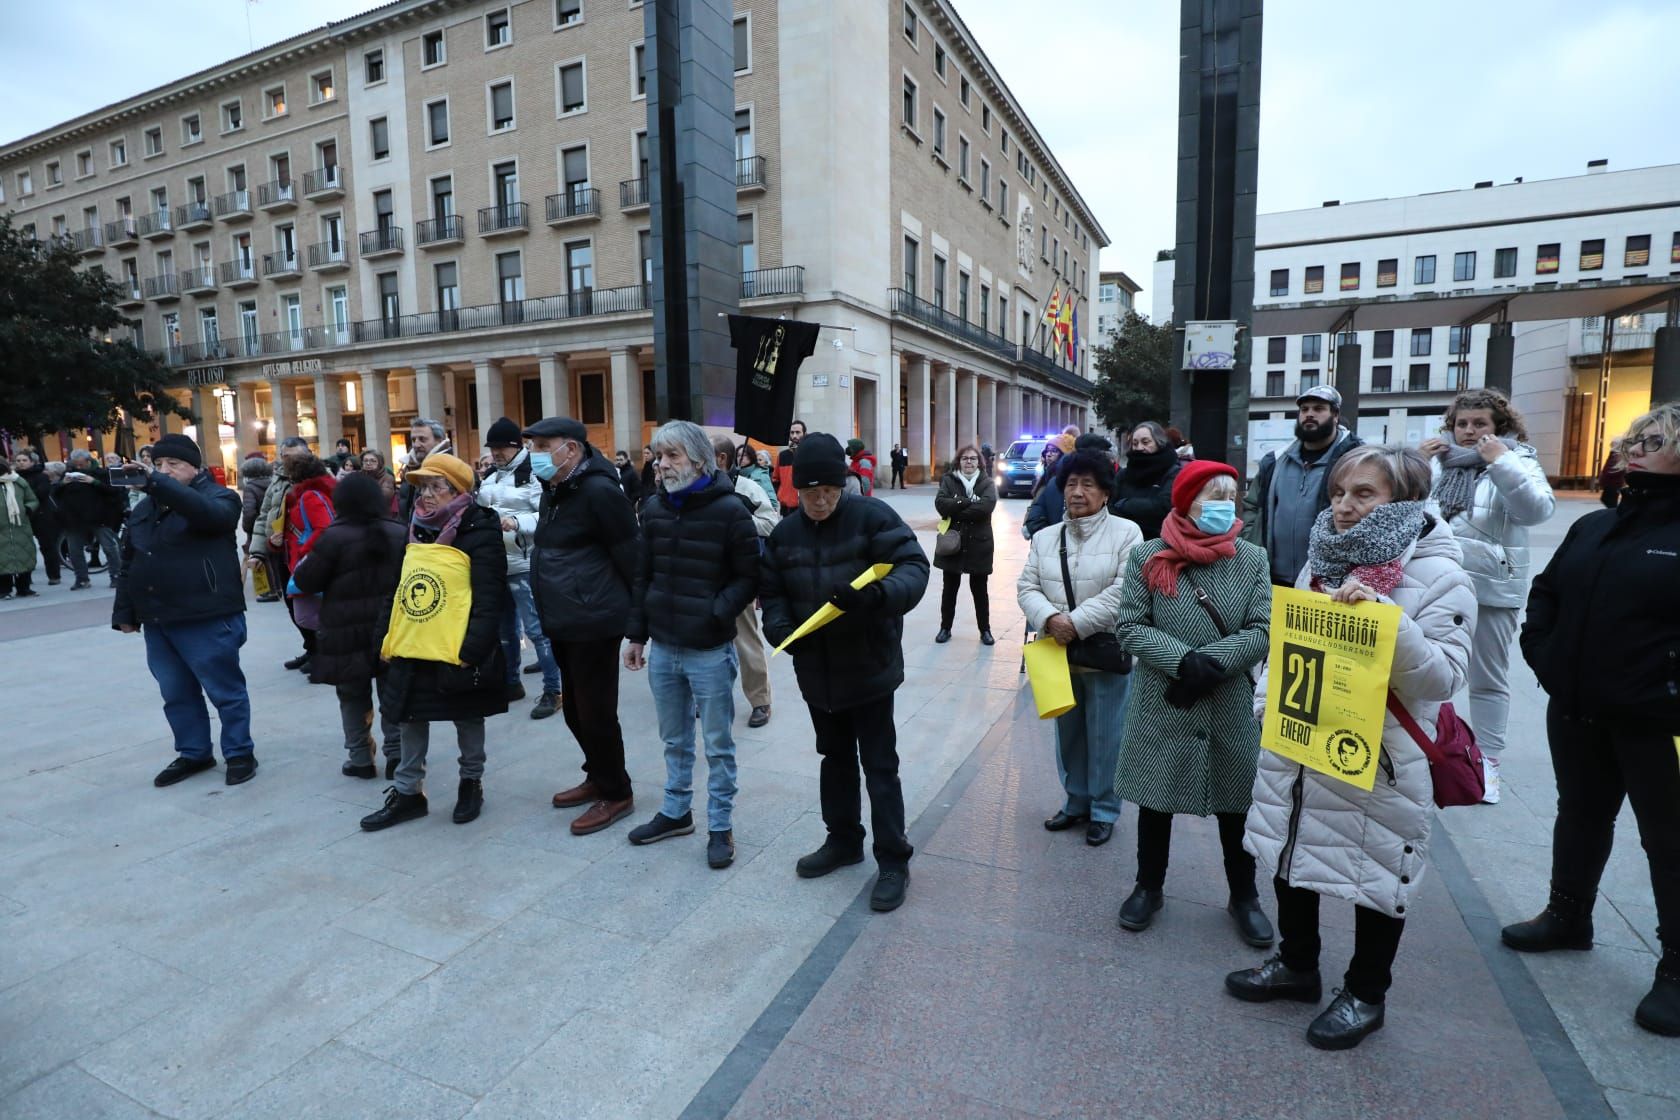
{"points": [[1490, 487], [1319, 835], [1096, 544]]}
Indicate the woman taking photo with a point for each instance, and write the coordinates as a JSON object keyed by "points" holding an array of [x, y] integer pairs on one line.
{"points": [[967, 497], [1490, 488], [1143, 488], [1319, 835], [1196, 614], [1603, 637], [423, 692], [354, 568], [1070, 590]]}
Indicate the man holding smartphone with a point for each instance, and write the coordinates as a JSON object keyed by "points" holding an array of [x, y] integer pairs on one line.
{"points": [[90, 508], [179, 583]]}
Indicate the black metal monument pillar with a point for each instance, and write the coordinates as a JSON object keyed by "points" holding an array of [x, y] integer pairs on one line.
{"points": [[1665, 358], [1218, 156], [691, 197], [1501, 356]]}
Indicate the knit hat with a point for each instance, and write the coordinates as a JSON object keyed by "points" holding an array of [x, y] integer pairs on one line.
{"points": [[853, 446], [1064, 442], [177, 446], [503, 433], [446, 466], [1192, 477], [818, 461]]}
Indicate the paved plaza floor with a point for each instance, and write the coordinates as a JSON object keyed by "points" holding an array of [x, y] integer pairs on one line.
{"points": [[205, 951]]}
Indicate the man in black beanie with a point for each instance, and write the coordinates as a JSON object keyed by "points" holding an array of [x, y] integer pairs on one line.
{"points": [[179, 582], [849, 669]]}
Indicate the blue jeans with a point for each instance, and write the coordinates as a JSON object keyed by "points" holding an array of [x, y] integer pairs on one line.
{"points": [[684, 680], [519, 612], [1088, 744], [192, 660]]}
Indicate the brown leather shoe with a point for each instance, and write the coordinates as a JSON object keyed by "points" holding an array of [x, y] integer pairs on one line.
{"points": [[602, 814], [581, 794]]}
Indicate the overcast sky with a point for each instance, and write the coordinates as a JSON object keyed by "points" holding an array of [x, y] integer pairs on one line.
{"points": [[1359, 100]]}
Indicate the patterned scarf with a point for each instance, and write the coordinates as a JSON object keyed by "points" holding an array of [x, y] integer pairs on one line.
{"points": [[1461, 469], [1369, 552], [446, 522], [1186, 545], [14, 508]]}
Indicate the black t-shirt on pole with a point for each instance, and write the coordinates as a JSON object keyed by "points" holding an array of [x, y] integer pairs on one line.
{"points": [[768, 353]]}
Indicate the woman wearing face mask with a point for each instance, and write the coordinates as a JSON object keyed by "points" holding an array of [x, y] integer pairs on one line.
{"points": [[1490, 488], [967, 497], [1143, 489], [1318, 835], [1603, 636], [1196, 614]]}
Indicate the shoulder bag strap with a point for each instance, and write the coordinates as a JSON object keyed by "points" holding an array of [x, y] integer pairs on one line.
{"points": [[1412, 728], [1205, 601], [1067, 576]]}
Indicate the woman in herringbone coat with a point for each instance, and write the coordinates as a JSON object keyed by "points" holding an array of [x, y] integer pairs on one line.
{"points": [[1196, 613]]}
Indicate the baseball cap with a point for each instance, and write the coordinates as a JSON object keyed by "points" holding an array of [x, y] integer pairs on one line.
{"points": [[1322, 393]]}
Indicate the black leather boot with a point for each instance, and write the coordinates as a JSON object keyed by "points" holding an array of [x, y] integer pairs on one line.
{"points": [[1139, 910], [1563, 924], [1251, 921], [399, 807], [469, 800], [1659, 1011], [1345, 1023], [1275, 980]]}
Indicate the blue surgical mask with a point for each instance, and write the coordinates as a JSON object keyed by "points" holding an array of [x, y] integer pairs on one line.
{"points": [[1217, 517], [542, 465]]}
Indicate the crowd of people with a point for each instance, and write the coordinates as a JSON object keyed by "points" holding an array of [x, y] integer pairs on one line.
{"points": [[1153, 570]]}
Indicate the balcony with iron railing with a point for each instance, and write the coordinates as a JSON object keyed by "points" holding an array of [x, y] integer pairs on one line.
{"points": [[329, 256], [752, 173], [789, 280], [1047, 367], [129, 293], [277, 196], [577, 204], [234, 206], [197, 280], [437, 232], [282, 266], [239, 273], [192, 353], [324, 183], [193, 215], [385, 241], [155, 226], [633, 194], [122, 233], [88, 242], [508, 218], [919, 310], [161, 288]]}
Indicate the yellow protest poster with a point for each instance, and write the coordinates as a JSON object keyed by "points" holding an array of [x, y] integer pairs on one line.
{"points": [[429, 611], [259, 579], [1047, 672], [828, 612], [1327, 685]]}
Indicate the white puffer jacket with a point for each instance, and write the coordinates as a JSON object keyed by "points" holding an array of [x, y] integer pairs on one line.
{"points": [[765, 513], [1098, 546], [502, 491], [1325, 835], [1511, 495]]}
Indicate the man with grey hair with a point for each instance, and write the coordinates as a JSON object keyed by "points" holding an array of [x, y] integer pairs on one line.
{"points": [[749, 636], [91, 510], [699, 571], [425, 437]]}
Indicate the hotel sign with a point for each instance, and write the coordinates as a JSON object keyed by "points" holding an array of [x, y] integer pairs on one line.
{"points": [[303, 367]]}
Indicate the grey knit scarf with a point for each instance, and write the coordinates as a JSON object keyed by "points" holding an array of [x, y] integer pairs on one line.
{"points": [[1381, 537], [1461, 469]]}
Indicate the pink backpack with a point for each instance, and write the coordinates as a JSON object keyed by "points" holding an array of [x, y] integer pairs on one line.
{"points": [[1455, 762]]}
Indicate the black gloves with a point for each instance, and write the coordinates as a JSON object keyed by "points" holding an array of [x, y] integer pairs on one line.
{"points": [[849, 598], [1198, 676]]}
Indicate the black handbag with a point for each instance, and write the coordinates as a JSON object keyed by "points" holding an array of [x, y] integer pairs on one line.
{"points": [[1102, 652]]}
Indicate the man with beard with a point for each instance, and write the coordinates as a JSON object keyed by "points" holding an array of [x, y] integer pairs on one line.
{"points": [[786, 493], [515, 493], [1289, 490]]}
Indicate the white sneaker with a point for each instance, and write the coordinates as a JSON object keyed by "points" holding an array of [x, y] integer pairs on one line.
{"points": [[1490, 780]]}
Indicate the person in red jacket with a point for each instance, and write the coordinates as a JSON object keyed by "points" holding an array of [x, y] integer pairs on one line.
{"points": [[786, 493], [862, 462], [309, 509]]}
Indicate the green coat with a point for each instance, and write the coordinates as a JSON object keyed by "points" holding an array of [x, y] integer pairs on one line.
{"points": [[1202, 760], [17, 542]]}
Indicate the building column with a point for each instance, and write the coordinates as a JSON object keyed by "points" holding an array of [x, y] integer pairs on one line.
{"points": [[988, 426], [918, 428], [428, 393], [968, 419], [487, 385], [626, 410], [245, 423], [329, 414], [944, 416], [1008, 413], [282, 405], [555, 377], [209, 412], [376, 411]]}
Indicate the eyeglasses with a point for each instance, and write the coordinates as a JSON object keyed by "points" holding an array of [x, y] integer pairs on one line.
{"points": [[437, 488], [1645, 445]]}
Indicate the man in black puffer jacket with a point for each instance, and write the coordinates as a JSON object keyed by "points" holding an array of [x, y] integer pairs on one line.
{"points": [[699, 570], [178, 580], [585, 555], [849, 669]]}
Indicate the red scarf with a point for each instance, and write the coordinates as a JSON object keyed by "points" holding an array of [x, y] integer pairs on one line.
{"points": [[1382, 578], [1186, 545]]}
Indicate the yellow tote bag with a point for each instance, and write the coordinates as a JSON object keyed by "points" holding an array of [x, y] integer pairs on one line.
{"points": [[429, 613], [1047, 672]]}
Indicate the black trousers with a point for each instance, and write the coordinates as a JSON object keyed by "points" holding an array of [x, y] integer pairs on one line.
{"points": [[845, 738], [1597, 764], [1376, 939], [589, 701], [20, 579], [1155, 844], [897, 478], [948, 600], [48, 535]]}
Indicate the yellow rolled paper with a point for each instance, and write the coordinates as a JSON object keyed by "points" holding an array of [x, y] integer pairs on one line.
{"points": [[828, 612], [1047, 672]]}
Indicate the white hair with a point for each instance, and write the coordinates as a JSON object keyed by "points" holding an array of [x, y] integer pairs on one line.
{"points": [[689, 438]]}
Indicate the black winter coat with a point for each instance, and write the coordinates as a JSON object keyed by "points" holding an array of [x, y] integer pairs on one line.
{"points": [[1048, 508], [180, 562], [699, 568], [433, 692], [1143, 490], [88, 505], [356, 582], [859, 656], [586, 555], [972, 518], [1603, 626], [44, 519]]}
